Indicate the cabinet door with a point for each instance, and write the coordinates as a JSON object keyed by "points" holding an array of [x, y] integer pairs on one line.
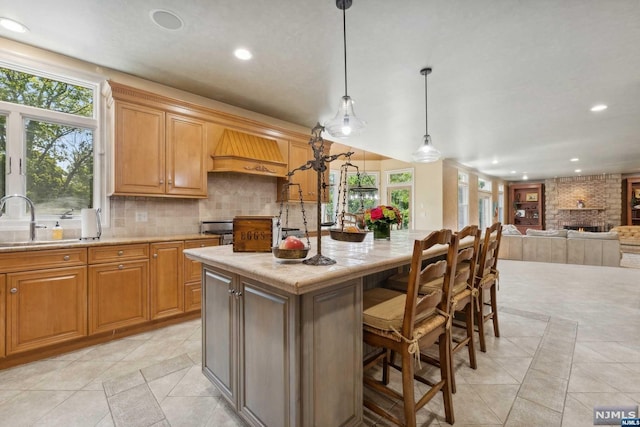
{"points": [[299, 154], [118, 295], [267, 351], [167, 285], [3, 281], [186, 148], [45, 307], [219, 354], [139, 150]]}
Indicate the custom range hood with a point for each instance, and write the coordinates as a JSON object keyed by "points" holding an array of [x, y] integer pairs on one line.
{"points": [[245, 153]]}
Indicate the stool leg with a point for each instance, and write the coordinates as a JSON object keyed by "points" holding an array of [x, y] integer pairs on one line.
{"points": [[494, 310], [480, 320], [407, 389], [471, 345]]}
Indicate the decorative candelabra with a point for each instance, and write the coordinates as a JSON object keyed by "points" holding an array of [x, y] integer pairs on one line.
{"points": [[319, 164]]}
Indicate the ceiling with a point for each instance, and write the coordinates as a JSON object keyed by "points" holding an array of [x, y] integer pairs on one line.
{"points": [[513, 80]]}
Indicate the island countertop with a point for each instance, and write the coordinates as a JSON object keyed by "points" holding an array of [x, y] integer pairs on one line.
{"points": [[352, 260]]}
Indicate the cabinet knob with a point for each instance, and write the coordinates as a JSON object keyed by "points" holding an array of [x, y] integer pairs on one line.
{"points": [[155, 255], [170, 182], [202, 245], [162, 181], [232, 291], [66, 257], [120, 253], [238, 293], [14, 290], [121, 267]]}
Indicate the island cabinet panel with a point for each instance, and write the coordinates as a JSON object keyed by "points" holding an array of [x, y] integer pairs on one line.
{"points": [[167, 285], [268, 354], [3, 281], [220, 346], [45, 307], [332, 355], [282, 359], [118, 295]]}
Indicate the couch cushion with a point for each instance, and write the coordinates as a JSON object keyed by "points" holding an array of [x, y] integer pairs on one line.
{"points": [[510, 229], [573, 234], [511, 247], [546, 233], [544, 249]]}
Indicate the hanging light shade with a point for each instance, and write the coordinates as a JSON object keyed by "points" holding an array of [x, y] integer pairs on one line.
{"points": [[427, 152], [345, 123]]}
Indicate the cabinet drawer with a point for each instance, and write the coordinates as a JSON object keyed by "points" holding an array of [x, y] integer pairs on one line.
{"points": [[34, 260], [118, 253], [192, 296]]}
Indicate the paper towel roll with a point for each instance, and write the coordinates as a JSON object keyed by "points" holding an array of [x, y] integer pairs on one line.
{"points": [[90, 224]]}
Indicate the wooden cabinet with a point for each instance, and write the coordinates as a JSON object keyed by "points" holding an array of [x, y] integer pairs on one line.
{"points": [[631, 199], [158, 153], [167, 285], [527, 206], [299, 154], [118, 286], [255, 337], [247, 326], [44, 297], [193, 275], [45, 307], [3, 281]]}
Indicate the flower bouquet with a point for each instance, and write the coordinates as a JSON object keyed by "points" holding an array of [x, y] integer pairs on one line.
{"points": [[380, 218]]}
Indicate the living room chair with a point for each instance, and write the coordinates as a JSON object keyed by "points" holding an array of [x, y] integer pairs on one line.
{"points": [[405, 323], [487, 281]]}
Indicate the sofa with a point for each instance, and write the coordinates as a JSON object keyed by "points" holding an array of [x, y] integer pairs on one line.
{"points": [[629, 238], [562, 246]]}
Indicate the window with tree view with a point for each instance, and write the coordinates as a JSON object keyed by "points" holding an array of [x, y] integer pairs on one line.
{"points": [[47, 141]]}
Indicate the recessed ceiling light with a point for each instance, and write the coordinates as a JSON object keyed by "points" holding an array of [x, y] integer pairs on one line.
{"points": [[495, 162], [525, 177], [599, 107], [578, 170], [512, 172], [242, 53], [575, 159], [12, 25], [166, 19]]}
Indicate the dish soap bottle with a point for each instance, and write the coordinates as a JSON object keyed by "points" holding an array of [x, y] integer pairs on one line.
{"points": [[56, 232]]}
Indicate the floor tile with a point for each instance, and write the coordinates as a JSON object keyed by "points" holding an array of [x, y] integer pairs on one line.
{"points": [[74, 376], [517, 367], [167, 367], [26, 376], [543, 389], [83, 408], [135, 407], [194, 384], [530, 414], [162, 386], [27, 407], [112, 351], [123, 383], [498, 398], [189, 411]]}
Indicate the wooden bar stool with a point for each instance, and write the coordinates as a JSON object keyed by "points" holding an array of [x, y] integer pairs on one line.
{"points": [[487, 281], [406, 322]]}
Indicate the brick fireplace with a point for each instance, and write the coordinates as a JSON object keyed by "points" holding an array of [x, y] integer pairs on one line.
{"points": [[587, 203]]}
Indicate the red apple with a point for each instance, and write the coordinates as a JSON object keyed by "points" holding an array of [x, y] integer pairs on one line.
{"points": [[291, 242]]}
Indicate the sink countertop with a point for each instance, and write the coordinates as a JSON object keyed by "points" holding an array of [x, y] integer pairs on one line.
{"points": [[103, 241]]}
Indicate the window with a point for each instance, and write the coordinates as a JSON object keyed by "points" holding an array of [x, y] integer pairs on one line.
{"points": [[485, 213], [47, 130], [400, 194], [463, 200]]}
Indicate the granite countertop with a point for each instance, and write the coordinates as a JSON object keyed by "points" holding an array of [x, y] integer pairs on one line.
{"points": [[103, 241], [353, 260]]}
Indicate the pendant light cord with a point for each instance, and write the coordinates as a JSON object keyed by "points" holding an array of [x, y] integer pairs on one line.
{"points": [[426, 106], [344, 42]]}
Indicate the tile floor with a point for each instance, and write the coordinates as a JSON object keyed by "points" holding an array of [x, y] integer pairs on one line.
{"points": [[570, 341]]}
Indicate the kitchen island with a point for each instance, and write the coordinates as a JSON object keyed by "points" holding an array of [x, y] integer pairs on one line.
{"points": [[282, 340]]}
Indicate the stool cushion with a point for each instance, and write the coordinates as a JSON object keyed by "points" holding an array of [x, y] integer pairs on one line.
{"points": [[384, 309]]}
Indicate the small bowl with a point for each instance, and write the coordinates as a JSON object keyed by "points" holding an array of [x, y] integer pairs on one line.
{"points": [[289, 253], [346, 236]]}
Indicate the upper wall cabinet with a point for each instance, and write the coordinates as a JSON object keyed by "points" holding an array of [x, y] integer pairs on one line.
{"points": [[157, 152], [299, 153]]}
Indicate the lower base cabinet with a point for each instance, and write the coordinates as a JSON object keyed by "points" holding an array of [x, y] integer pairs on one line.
{"points": [[167, 285], [118, 295], [45, 307], [3, 281], [279, 358]]}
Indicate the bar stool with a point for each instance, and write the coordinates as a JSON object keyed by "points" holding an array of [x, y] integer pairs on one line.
{"points": [[406, 322], [487, 281]]}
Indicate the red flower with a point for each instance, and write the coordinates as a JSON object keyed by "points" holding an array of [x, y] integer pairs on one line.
{"points": [[376, 213]]}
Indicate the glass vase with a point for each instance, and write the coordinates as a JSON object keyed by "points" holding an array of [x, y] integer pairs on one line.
{"points": [[382, 232]]}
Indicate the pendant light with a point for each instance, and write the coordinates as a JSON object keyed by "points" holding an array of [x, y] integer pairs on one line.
{"points": [[345, 123], [427, 153]]}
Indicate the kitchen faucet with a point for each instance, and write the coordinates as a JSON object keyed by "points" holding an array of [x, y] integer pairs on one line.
{"points": [[32, 224]]}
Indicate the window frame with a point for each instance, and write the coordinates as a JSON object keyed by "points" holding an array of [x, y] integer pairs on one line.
{"points": [[412, 196], [16, 139]]}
